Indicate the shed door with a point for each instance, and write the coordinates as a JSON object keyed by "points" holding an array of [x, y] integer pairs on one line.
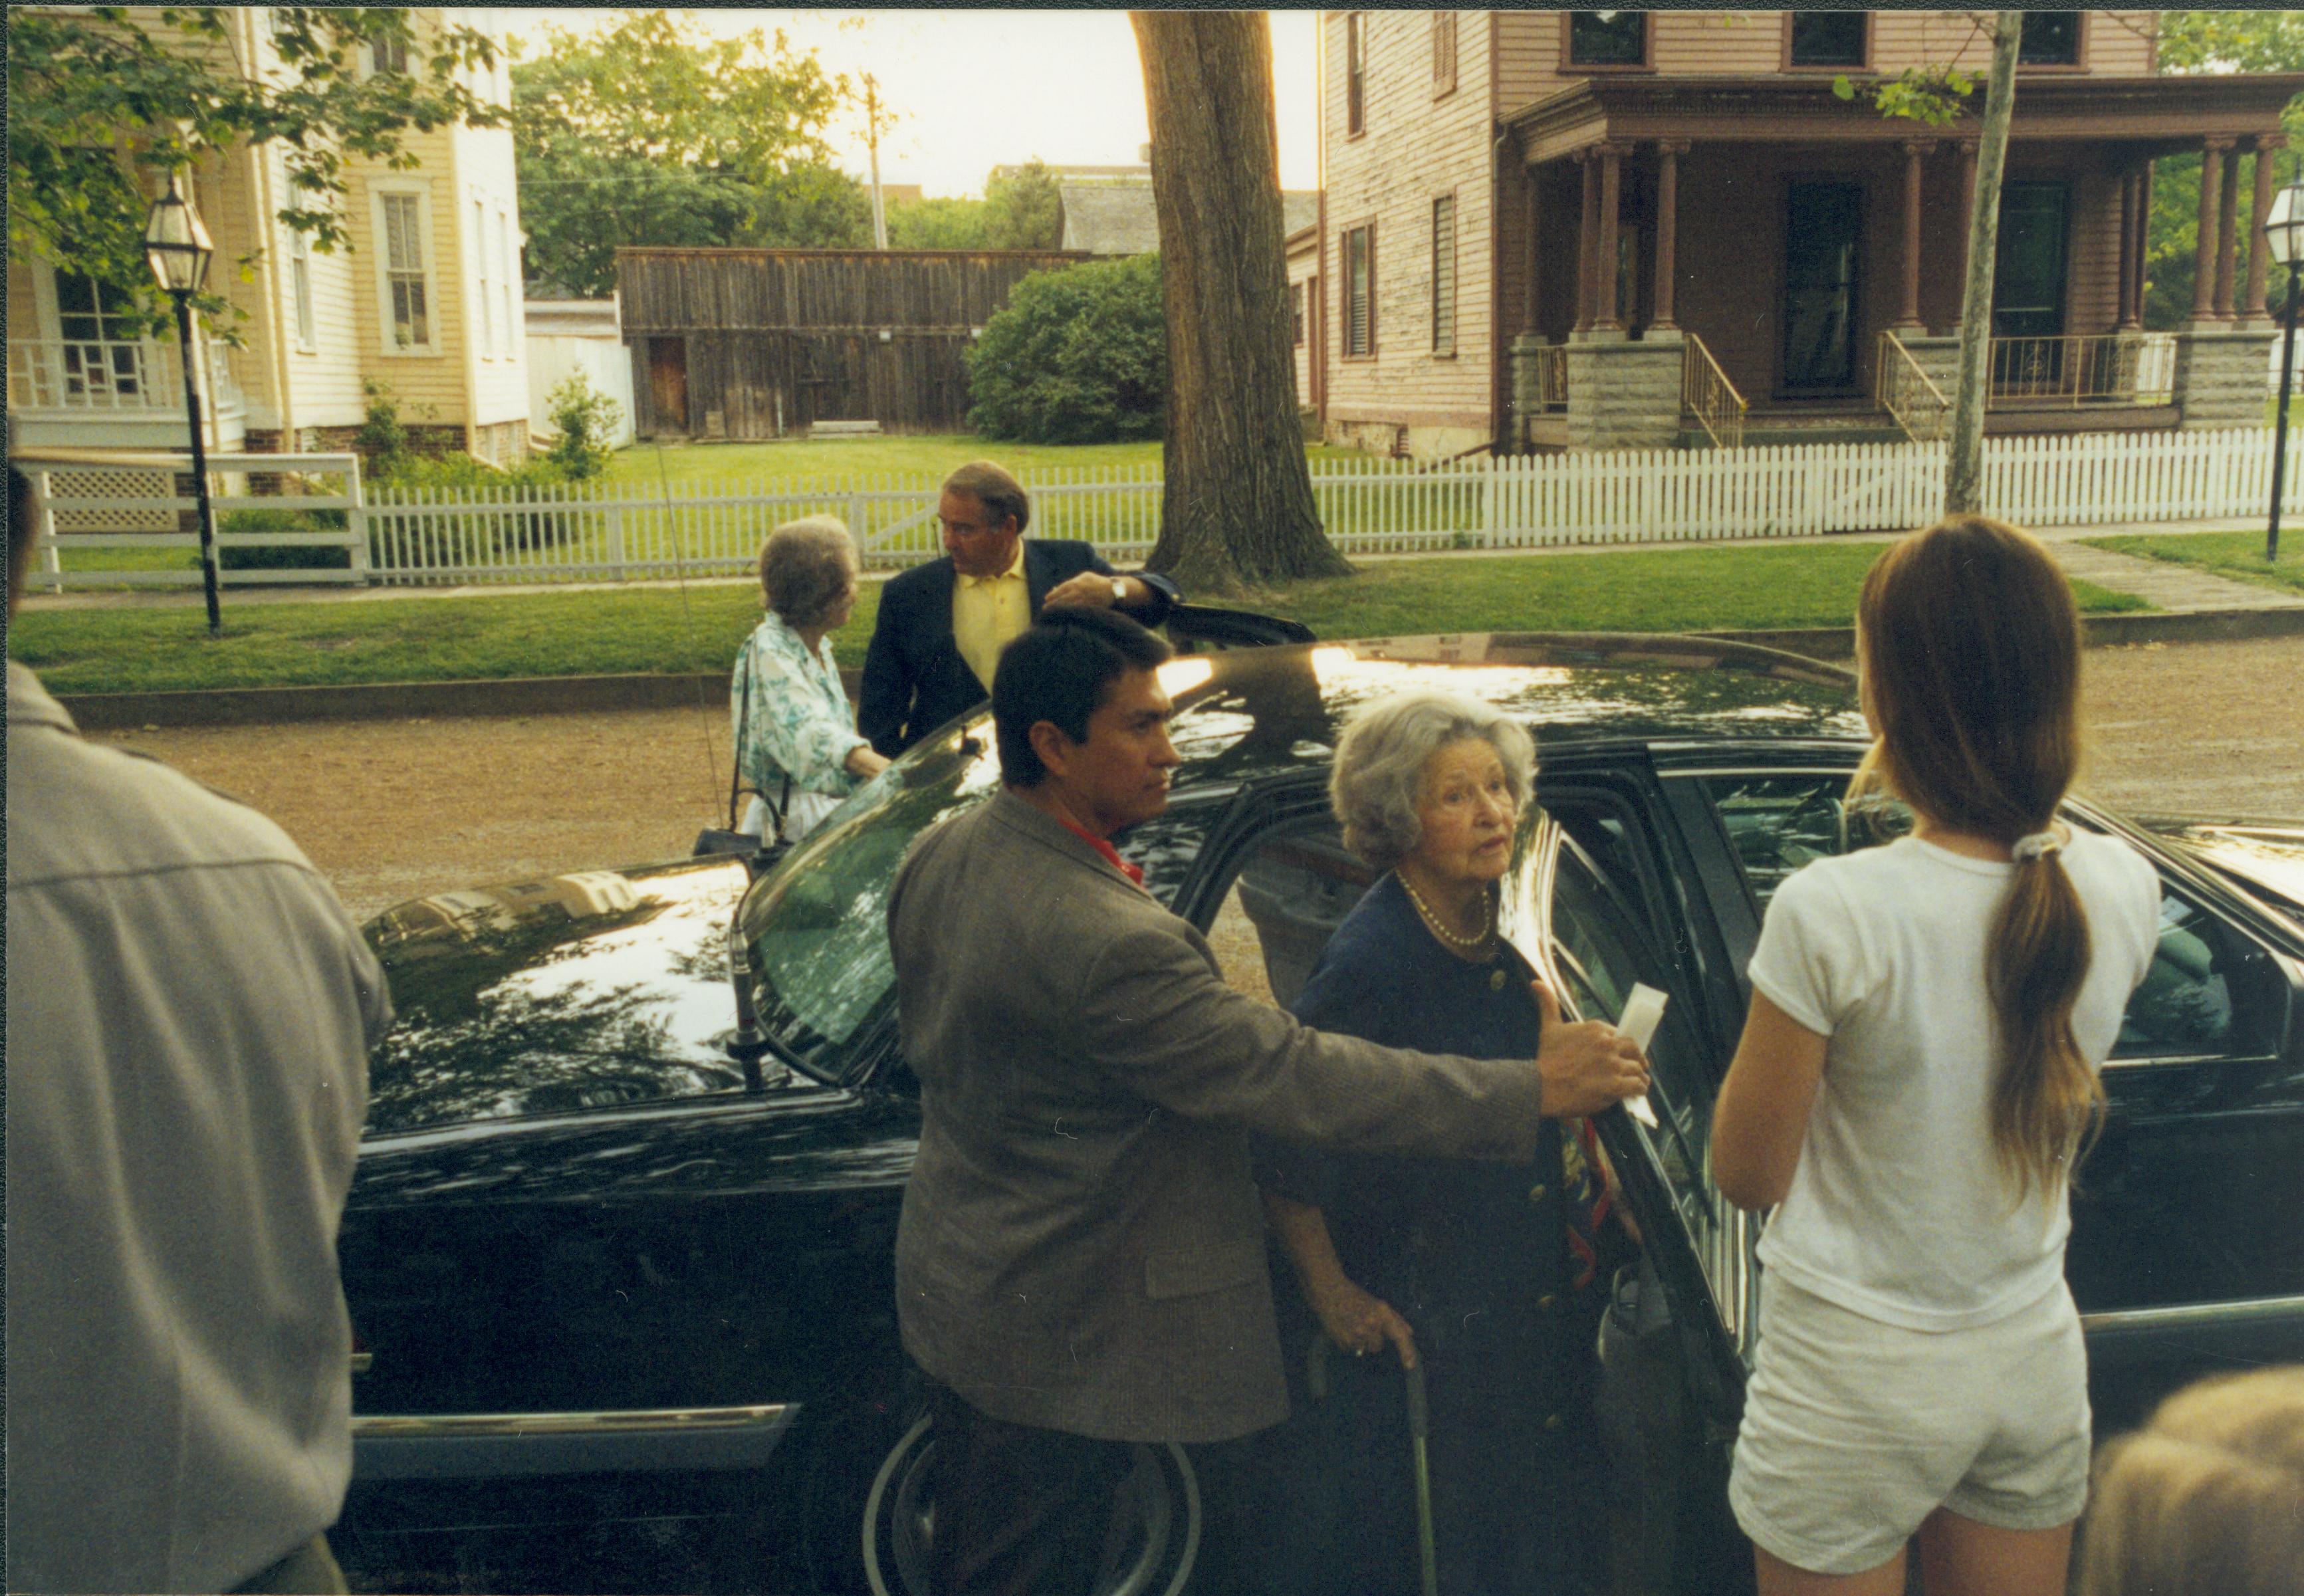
{"points": [[668, 383]]}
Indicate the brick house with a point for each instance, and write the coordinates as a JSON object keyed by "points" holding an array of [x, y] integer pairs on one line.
{"points": [[1579, 230]]}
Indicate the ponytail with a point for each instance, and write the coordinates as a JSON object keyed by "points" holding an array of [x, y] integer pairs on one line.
{"points": [[1970, 645], [2047, 1103]]}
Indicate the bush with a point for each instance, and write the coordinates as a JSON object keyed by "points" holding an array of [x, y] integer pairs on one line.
{"points": [[585, 419], [1080, 356], [310, 556]]}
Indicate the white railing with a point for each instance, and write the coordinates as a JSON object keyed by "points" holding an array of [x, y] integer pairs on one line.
{"points": [[1707, 393], [93, 373], [639, 530], [298, 510]]}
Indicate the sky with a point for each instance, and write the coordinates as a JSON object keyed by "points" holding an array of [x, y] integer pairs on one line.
{"points": [[981, 89]]}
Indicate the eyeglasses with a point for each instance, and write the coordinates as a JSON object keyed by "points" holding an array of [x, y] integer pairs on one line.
{"points": [[967, 529]]}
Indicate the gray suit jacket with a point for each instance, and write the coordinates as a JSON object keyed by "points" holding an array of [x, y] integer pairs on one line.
{"points": [[1081, 1247]]}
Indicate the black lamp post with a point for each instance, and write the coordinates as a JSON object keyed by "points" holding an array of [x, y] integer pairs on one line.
{"points": [[2283, 232], [177, 249]]}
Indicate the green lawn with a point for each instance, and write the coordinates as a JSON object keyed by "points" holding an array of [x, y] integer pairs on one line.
{"points": [[2236, 555], [660, 630], [931, 455]]}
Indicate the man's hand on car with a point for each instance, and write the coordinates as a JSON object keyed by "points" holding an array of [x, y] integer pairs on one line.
{"points": [[1586, 1066]]}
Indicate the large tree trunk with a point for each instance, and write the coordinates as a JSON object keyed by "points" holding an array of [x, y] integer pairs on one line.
{"points": [[1964, 459], [1238, 508]]}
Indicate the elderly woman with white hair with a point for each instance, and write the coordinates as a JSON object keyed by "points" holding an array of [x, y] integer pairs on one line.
{"points": [[1480, 1272], [797, 745]]}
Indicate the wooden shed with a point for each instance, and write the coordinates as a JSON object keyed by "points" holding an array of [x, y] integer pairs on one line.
{"points": [[758, 344]]}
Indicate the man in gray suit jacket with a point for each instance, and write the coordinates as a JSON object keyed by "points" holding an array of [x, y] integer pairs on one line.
{"points": [[1081, 1260]]}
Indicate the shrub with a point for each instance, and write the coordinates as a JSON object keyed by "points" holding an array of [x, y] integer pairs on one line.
{"points": [[586, 418], [311, 556], [1080, 356]]}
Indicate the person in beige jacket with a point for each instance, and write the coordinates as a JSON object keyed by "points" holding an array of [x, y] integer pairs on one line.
{"points": [[1080, 1261]]}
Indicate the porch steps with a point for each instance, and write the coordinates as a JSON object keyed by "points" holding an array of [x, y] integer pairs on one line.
{"points": [[1843, 427]]}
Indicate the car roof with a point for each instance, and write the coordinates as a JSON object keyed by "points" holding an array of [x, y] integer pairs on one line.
{"points": [[1570, 689]]}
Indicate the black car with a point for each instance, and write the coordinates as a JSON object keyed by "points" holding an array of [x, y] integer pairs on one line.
{"points": [[619, 1253]]}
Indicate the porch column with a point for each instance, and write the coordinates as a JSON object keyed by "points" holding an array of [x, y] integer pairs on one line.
{"points": [[2128, 317], [1668, 227], [1916, 151], [1588, 241], [1967, 220], [2228, 231], [2259, 250], [1608, 314], [1528, 301], [2143, 235], [2204, 263]]}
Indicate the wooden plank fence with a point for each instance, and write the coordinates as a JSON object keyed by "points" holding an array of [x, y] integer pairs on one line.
{"points": [[640, 530]]}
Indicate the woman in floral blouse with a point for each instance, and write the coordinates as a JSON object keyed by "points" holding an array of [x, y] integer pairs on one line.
{"points": [[797, 745]]}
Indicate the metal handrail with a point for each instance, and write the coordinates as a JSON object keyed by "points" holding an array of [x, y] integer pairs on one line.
{"points": [[1552, 377], [1906, 391], [2069, 371], [1707, 393]]}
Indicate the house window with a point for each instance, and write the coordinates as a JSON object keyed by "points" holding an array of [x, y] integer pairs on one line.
{"points": [[1360, 292], [480, 266], [1823, 244], [1607, 38], [1296, 313], [2050, 38], [506, 264], [1444, 53], [1828, 38], [387, 55], [299, 288], [1355, 72], [2028, 270], [1444, 275], [404, 266]]}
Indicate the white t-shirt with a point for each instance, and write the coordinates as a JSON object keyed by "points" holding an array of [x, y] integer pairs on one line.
{"points": [[1898, 1210]]}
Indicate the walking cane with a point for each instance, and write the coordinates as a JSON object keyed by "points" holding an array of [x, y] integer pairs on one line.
{"points": [[1419, 1433]]}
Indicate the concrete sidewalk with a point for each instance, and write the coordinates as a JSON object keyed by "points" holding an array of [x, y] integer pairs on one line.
{"points": [[2172, 587]]}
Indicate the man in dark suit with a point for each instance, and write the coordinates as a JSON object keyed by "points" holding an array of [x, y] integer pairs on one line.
{"points": [[941, 625], [1080, 1263]]}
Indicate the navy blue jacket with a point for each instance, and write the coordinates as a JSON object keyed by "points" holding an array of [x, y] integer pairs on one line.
{"points": [[914, 677]]}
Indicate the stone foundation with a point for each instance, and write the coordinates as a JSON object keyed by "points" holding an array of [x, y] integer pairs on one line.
{"points": [[2221, 374], [1938, 355], [1625, 394]]}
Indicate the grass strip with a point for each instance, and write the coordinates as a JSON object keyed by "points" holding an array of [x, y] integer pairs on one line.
{"points": [[2237, 554], [594, 631]]}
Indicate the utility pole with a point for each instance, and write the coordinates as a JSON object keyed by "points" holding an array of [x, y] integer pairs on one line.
{"points": [[872, 139]]}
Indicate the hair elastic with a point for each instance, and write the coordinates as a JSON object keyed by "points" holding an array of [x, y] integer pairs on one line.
{"points": [[2039, 844]]}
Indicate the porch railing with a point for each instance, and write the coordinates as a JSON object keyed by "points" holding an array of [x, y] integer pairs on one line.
{"points": [[104, 374], [1707, 393], [1552, 377], [2067, 373], [1906, 391]]}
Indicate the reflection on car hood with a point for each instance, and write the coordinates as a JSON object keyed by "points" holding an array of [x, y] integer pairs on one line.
{"points": [[2265, 857], [573, 992]]}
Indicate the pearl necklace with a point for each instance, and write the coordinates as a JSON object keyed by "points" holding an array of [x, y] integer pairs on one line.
{"points": [[1461, 944]]}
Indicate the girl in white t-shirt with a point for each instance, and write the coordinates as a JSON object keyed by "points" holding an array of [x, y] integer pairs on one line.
{"points": [[1917, 1077]]}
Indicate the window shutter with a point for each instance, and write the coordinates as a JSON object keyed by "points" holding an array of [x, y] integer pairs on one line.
{"points": [[1443, 52], [1355, 72], [1444, 275]]}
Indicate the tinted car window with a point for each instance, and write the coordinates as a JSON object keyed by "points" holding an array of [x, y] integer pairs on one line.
{"points": [[2210, 989]]}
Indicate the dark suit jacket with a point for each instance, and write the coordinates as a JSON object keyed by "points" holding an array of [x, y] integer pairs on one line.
{"points": [[1082, 1247], [914, 678]]}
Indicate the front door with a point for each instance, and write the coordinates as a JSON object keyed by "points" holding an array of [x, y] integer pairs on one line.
{"points": [[1823, 235], [668, 383], [2028, 276]]}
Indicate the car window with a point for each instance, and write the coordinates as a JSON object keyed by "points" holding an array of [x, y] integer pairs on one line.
{"points": [[2210, 989], [1292, 891]]}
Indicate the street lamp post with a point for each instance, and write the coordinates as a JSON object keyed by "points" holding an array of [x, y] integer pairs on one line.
{"points": [[177, 249], [2283, 232]]}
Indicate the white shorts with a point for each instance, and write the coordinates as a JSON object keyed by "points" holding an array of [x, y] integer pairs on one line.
{"points": [[1855, 1430]]}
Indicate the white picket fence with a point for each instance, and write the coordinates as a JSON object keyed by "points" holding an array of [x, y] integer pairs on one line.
{"points": [[639, 530]]}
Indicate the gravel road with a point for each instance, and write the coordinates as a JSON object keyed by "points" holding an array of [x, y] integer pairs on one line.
{"points": [[392, 810]]}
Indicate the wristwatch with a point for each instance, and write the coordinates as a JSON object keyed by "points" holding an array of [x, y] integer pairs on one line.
{"points": [[1119, 589]]}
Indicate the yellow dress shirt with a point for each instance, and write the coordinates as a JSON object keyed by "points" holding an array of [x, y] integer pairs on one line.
{"points": [[988, 613]]}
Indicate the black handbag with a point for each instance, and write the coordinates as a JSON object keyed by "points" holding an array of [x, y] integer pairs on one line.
{"points": [[763, 851]]}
